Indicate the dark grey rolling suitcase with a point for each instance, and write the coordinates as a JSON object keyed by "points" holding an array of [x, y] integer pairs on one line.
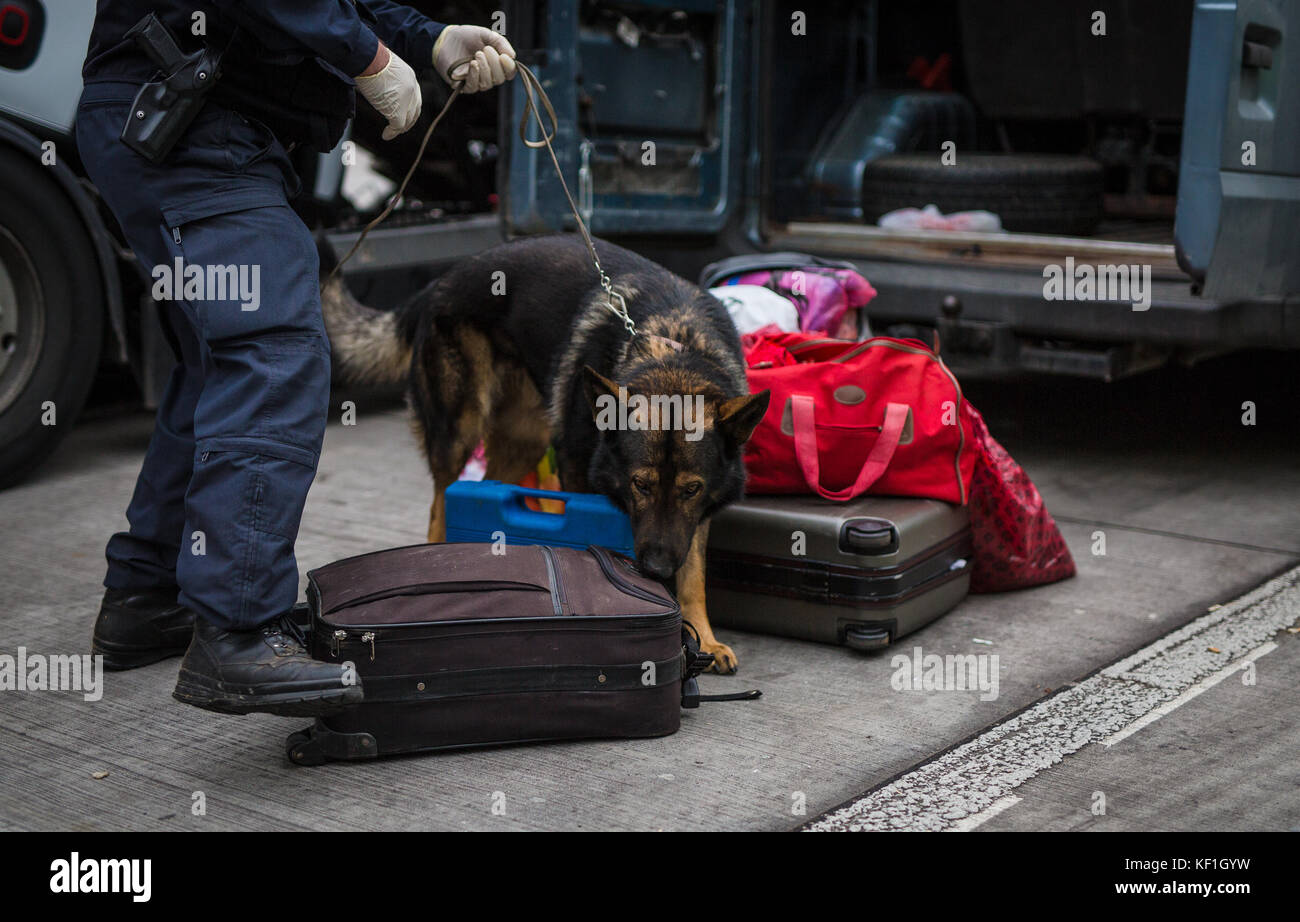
{"points": [[459, 646], [871, 571]]}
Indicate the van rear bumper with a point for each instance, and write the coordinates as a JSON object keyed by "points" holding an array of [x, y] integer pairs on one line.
{"points": [[999, 280], [916, 293]]}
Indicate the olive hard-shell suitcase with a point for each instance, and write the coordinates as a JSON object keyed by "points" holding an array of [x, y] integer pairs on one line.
{"points": [[861, 573], [457, 646]]}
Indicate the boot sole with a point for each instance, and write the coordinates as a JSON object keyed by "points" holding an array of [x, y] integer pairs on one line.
{"points": [[299, 703]]}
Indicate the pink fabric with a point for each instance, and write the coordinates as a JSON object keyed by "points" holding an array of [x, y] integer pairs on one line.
{"points": [[826, 299]]}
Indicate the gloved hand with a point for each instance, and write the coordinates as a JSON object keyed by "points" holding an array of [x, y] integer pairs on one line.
{"points": [[494, 58], [395, 94]]}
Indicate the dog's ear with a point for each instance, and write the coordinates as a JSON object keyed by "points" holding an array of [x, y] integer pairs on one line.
{"points": [[738, 416], [596, 385]]}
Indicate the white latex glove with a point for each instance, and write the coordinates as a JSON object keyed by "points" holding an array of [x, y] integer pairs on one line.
{"points": [[395, 94], [494, 58]]}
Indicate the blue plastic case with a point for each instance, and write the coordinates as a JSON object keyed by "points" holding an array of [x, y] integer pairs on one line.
{"points": [[476, 510]]}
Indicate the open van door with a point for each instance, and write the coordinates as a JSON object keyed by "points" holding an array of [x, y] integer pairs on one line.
{"points": [[1237, 229], [650, 100]]}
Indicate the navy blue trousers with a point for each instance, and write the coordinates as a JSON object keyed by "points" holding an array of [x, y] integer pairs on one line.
{"points": [[219, 497]]}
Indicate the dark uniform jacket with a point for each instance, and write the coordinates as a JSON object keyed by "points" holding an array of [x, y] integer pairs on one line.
{"points": [[342, 33], [288, 64]]}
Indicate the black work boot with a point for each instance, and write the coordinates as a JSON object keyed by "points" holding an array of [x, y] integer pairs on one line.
{"points": [[266, 669], [137, 627]]}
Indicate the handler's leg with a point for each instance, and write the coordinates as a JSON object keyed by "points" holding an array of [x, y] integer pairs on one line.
{"points": [[255, 400], [144, 556], [140, 620], [258, 428], [260, 417]]}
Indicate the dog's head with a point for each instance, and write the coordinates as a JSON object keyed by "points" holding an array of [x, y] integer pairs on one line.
{"points": [[669, 453]]}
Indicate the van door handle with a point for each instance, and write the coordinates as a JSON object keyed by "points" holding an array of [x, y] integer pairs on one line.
{"points": [[1256, 54]]}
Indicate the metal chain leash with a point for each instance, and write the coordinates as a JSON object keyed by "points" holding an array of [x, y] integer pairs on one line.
{"points": [[532, 85]]}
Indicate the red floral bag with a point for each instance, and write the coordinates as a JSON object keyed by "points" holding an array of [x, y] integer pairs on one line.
{"points": [[1017, 543]]}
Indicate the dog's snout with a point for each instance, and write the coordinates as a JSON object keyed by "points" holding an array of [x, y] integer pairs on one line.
{"points": [[656, 562]]}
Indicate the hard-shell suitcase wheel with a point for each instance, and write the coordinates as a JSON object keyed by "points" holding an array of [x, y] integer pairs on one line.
{"points": [[864, 637]]}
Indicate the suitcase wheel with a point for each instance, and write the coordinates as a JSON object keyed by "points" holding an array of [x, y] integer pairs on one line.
{"points": [[864, 637], [303, 748], [318, 744]]}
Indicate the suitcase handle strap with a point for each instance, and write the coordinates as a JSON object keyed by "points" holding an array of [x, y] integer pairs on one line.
{"points": [[693, 663], [805, 448]]}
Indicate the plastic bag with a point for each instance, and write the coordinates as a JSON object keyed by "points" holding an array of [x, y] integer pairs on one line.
{"points": [[931, 218], [754, 307]]}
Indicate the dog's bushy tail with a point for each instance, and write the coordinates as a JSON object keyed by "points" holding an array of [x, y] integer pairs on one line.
{"points": [[367, 346]]}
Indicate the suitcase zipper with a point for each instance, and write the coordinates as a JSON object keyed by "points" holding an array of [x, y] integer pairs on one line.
{"points": [[553, 576], [340, 639], [606, 562], [436, 588]]}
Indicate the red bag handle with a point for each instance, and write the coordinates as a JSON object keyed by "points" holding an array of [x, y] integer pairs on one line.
{"points": [[805, 448]]}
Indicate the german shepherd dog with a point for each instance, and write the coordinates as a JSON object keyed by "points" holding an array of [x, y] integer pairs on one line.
{"points": [[517, 347]]}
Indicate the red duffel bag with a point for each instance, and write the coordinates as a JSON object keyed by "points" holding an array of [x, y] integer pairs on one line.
{"points": [[880, 416]]}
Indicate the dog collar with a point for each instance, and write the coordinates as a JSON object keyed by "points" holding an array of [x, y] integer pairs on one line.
{"points": [[670, 343]]}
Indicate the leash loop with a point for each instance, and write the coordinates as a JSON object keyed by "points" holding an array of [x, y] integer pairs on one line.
{"points": [[533, 93], [456, 85], [586, 204]]}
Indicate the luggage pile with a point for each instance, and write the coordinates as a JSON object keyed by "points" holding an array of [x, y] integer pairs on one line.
{"points": [[877, 499]]}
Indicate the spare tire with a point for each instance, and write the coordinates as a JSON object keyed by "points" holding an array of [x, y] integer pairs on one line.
{"points": [[1033, 193]]}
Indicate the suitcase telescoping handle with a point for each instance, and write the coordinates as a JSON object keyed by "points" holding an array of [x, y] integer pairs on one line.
{"points": [[869, 536], [805, 448]]}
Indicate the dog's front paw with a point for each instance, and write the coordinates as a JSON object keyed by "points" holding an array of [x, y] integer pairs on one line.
{"points": [[724, 658]]}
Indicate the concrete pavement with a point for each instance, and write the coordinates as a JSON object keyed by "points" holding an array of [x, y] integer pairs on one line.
{"points": [[1196, 509]]}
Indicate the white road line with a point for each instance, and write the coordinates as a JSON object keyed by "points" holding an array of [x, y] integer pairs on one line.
{"points": [[1169, 706], [970, 822], [961, 785]]}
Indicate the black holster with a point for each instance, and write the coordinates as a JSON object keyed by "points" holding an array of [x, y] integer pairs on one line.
{"points": [[302, 100], [164, 108]]}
